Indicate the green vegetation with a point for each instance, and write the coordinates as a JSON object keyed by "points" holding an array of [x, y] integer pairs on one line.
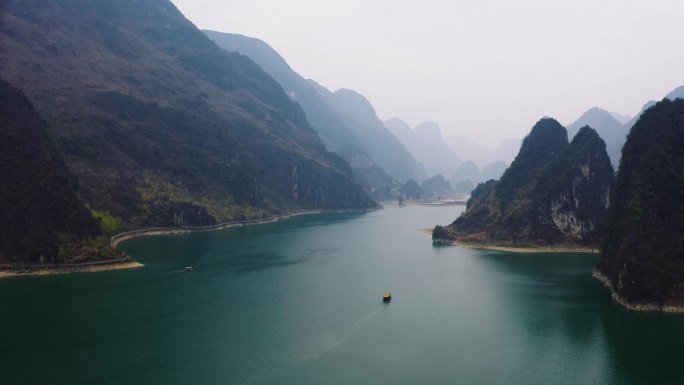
{"points": [[643, 247], [554, 193], [109, 224], [411, 190], [480, 191], [160, 126], [42, 218], [440, 232]]}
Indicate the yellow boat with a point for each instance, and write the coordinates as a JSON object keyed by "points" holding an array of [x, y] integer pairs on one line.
{"points": [[387, 297]]}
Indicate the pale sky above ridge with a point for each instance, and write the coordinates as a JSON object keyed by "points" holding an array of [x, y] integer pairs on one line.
{"points": [[484, 69]]}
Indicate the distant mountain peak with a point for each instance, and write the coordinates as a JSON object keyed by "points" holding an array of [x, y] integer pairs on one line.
{"points": [[553, 193], [354, 100], [426, 144], [608, 127], [676, 93], [599, 113], [622, 118], [429, 129], [260, 51], [545, 128]]}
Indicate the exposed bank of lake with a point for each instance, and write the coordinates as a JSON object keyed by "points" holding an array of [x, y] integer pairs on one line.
{"points": [[643, 306], [128, 262]]}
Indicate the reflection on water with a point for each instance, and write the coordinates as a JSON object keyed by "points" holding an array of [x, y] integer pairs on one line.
{"points": [[299, 302]]}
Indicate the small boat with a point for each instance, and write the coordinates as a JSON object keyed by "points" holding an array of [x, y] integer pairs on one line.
{"points": [[387, 297], [188, 269]]}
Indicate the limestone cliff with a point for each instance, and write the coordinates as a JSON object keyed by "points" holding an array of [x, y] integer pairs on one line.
{"points": [[643, 249], [42, 217], [554, 193]]}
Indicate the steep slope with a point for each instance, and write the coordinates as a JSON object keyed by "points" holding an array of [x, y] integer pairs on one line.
{"points": [[328, 125], [436, 187], [436, 156], [336, 136], [160, 125], [609, 129], [493, 170], [622, 118], [552, 194], [481, 190], [636, 117], [643, 247], [676, 93], [358, 114], [41, 215], [426, 144]]}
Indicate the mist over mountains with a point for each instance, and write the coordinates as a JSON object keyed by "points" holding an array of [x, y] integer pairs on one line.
{"points": [[426, 144], [612, 127], [344, 119], [160, 126], [348, 124], [482, 155]]}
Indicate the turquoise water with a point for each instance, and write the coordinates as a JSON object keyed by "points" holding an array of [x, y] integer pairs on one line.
{"points": [[299, 302]]}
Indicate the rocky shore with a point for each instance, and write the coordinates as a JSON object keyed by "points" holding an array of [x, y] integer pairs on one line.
{"points": [[646, 307], [87, 267]]}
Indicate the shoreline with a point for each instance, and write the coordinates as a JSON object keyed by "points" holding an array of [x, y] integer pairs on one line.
{"points": [[512, 249], [88, 267], [130, 263], [453, 201], [641, 307], [121, 237]]}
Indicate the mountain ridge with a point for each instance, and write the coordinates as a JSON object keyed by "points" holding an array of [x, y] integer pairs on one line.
{"points": [[161, 126], [340, 132], [554, 193], [426, 144]]}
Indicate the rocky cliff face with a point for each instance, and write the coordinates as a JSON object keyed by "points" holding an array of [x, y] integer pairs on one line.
{"points": [[158, 123], [609, 129], [40, 211], [644, 246], [573, 191], [480, 191], [554, 193]]}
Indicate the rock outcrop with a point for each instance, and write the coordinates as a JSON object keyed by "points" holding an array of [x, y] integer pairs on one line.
{"points": [[554, 193], [643, 251], [40, 211]]}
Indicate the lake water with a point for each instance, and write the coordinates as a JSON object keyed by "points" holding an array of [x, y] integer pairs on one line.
{"points": [[299, 302]]}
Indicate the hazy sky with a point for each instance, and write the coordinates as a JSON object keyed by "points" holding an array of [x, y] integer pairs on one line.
{"points": [[486, 69]]}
